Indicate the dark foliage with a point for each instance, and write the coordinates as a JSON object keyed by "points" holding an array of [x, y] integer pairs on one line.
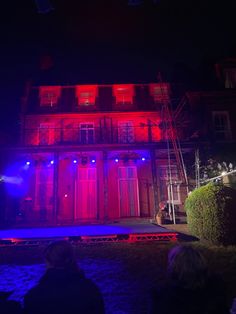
{"points": [[211, 213]]}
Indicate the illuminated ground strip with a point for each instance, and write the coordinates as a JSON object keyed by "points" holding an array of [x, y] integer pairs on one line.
{"points": [[130, 238], [113, 232]]}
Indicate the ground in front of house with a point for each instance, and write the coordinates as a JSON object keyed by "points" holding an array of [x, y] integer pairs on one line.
{"points": [[125, 272]]}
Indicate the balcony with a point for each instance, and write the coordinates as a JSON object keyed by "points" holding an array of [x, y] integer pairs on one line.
{"points": [[89, 135]]}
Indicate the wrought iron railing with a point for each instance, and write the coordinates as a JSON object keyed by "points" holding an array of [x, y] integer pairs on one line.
{"points": [[88, 136]]}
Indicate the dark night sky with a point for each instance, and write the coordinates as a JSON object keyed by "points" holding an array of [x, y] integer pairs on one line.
{"points": [[108, 41]]}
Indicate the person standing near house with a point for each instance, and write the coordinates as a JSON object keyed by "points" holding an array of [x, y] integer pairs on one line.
{"points": [[163, 208], [63, 288]]}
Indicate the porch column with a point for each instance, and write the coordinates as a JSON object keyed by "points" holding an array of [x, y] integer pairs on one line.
{"points": [[105, 183], [55, 187]]}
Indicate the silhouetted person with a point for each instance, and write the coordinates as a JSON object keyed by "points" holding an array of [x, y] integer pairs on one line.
{"points": [[189, 289], [63, 288], [9, 306]]}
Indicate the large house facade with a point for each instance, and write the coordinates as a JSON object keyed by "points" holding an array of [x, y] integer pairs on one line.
{"points": [[94, 153]]}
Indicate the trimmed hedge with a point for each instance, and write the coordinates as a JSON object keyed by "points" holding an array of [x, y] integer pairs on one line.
{"points": [[211, 213]]}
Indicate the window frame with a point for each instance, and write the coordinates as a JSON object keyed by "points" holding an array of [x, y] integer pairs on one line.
{"points": [[160, 92], [166, 185], [87, 141], [86, 95], [52, 101], [122, 128], [226, 132], [50, 128], [124, 94]]}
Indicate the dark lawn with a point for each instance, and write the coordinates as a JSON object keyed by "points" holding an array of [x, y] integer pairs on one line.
{"points": [[124, 272]]}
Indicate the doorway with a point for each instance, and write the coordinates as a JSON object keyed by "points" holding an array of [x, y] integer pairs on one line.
{"points": [[128, 192], [86, 194]]}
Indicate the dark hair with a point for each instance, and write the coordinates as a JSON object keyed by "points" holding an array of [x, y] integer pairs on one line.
{"points": [[60, 254], [187, 267]]}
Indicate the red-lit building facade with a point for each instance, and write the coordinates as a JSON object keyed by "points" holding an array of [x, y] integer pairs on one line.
{"points": [[94, 153]]}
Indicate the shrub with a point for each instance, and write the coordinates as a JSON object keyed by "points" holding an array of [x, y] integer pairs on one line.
{"points": [[211, 213]]}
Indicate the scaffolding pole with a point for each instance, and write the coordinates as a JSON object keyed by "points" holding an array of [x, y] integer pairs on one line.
{"points": [[197, 168]]}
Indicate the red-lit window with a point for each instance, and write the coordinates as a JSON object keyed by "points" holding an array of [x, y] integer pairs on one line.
{"points": [[49, 95], [123, 93], [86, 94], [160, 92], [87, 133], [46, 134], [126, 132]]}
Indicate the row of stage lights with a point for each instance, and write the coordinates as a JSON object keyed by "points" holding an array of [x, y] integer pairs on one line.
{"points": [[84, 160], [75, 161], [126, 159]]}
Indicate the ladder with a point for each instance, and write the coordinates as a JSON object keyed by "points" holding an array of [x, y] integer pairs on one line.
{"points": [[171, 137]]}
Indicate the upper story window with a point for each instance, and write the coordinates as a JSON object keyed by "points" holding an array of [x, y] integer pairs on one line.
{"points": [[126, 132], [123, 93], [86, 95], [46, 134], [49, 95], [86, 133], [160, 92], [221, 125], [230, 77]]}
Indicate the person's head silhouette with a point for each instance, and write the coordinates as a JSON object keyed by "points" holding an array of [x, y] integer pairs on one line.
{"points": [[187, 267], [60, 255]]}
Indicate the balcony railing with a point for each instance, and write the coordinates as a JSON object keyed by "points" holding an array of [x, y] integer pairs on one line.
{"points": [[89, 136]]}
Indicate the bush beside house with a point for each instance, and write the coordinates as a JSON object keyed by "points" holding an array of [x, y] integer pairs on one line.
{"points": [[211, 213]]}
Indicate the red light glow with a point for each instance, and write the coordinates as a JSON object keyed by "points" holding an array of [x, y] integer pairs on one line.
{"points": [[86, 94], [49, 95], [123, 93]]}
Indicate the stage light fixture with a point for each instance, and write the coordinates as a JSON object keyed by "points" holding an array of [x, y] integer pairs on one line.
{"points": [[143, 158], [93, 160], [27, 163], [116, 160], [52, 162], [75, 161]]}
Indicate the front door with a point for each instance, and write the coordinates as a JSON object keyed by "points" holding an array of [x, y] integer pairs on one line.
{"points": [[86, 194], [43, 192], [128, 192]]}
